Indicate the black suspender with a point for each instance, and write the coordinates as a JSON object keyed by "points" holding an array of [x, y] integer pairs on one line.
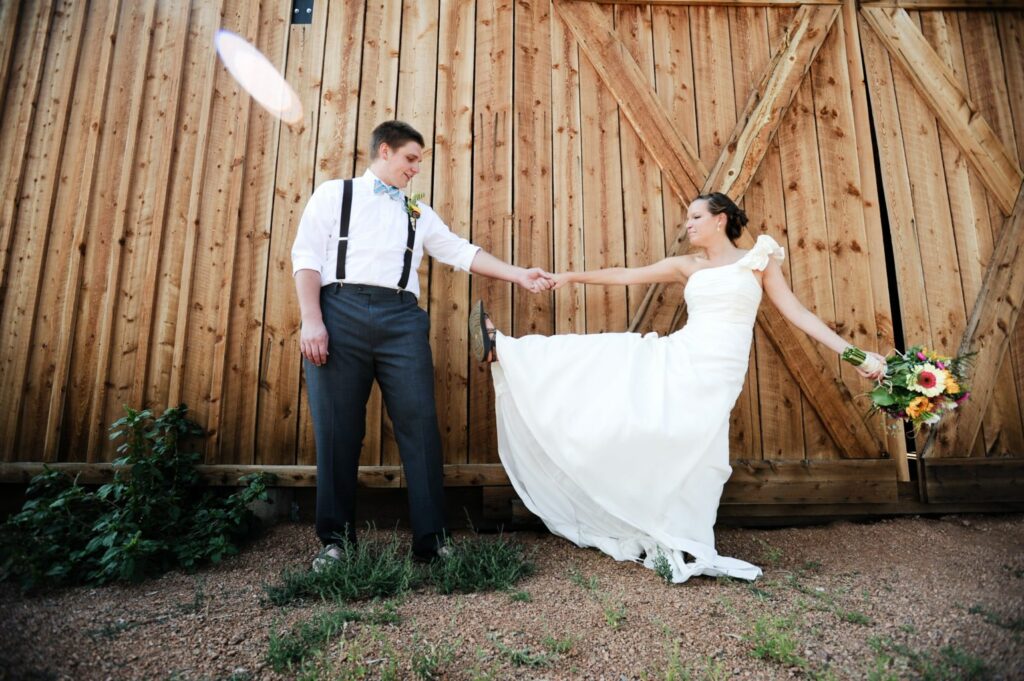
{"points": [[346, 218], [407, 261]]}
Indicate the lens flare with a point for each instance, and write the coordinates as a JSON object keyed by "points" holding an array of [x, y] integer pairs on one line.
{"points": [[258, 77]]}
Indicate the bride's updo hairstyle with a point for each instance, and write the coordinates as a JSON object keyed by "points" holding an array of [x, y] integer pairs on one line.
{"points": [[719, 203]]}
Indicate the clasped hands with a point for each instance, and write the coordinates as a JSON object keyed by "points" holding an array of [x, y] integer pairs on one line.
{"points": [[537, 280]]}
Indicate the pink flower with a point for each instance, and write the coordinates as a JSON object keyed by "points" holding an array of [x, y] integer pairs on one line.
{"points": [[962, 398], [921, 356], [941, 365], [926, 380]]}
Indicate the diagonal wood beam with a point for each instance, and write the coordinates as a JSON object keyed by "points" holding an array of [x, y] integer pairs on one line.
{"points": [[939, 86], [679, 163], [737, 165], [988, 331], [750, 140]]}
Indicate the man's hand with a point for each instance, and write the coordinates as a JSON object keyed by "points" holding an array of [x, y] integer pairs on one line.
{"points": [[313, 341], [535, 280]]}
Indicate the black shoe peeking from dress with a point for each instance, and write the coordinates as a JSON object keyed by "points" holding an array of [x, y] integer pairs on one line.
{"points": [[481, 339]]}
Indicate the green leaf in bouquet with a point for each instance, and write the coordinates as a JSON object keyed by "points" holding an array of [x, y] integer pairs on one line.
{"points": [[882, 397]]}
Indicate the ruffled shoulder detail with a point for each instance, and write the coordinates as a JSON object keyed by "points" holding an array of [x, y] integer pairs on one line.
{"points": [[765, 248]]}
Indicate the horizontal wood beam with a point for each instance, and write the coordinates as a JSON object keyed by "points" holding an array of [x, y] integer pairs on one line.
{"points": [[720, 3], [939, 86], [906, 4], [988, 330], [455, 475], [678, 160], [956, 480], [946, 4]]}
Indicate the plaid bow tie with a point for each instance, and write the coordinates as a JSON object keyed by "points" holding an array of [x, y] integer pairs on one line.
{"points": [[392, 192]]}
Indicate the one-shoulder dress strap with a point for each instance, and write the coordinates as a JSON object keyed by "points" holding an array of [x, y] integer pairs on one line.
{"points": [[764, 250]]}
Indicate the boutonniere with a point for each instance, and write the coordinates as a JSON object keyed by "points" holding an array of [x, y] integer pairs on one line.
{"points": [[412, 207]]}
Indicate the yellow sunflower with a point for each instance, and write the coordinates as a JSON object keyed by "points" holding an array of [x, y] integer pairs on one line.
{"points": [[918, 406]]}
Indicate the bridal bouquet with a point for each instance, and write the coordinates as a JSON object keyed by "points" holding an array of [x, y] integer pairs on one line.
{"points": [[920, 386]]}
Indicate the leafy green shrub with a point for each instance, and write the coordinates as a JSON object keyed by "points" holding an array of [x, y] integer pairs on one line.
{"points": [[156, 515]]}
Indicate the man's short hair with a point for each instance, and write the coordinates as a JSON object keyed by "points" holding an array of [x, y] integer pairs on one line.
{"points": [[395, 134]]}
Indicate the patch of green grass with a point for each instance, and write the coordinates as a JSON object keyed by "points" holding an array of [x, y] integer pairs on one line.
{"points": [[305, 640], [522, 657], [614, 615], [1011, 623], [950, 663], [760, 594], [576, 577], [675, 670], [770, 554], [559, 646], [811, 566], [430, 659], [854, 617], [773, 640], [521, 596], [481, 565], [374, 568]]}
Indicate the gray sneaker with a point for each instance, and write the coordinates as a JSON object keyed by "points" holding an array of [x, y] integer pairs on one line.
{"points": [[328, 555]]}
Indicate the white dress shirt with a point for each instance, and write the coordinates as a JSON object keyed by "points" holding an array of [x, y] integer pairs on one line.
{"points": [[378, 232]]}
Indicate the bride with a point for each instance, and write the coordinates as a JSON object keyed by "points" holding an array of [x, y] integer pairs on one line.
{"points": [[620, 441]]}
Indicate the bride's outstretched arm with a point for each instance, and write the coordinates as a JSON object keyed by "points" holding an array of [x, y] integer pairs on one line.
{"points": [[799, 316], [664, 271]]}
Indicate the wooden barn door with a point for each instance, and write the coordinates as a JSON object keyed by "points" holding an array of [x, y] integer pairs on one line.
{"points": [[947, 88], [756, 102]]}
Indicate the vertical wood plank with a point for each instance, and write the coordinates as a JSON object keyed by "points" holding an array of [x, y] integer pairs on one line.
{"points": [[674, 77], [748, 28], [567, 176], [1011, 38], [852, 281], [805, 217], [210, 328], [774, 395], [74, 198], [238, 408], [9, 15], [603, 237], [641, 178], [109, 221], [914, 312], [896, 443], [1003, 428], [942, 290], [18, 117], [492, 199], [29, 333], [968, 203], [280, 361], [673, 74], [453, 191], [531, 199]]}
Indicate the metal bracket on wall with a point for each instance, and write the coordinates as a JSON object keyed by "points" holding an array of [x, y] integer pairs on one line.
{"points": [[302, 11]]}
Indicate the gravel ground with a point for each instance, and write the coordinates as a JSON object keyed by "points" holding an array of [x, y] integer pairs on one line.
{"points": [[879, 600]]}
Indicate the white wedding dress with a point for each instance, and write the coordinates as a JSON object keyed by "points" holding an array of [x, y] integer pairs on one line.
{"points": [[621, 441]]}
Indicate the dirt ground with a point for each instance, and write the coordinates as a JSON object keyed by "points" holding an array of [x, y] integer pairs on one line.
{"points": [[887, 599]]}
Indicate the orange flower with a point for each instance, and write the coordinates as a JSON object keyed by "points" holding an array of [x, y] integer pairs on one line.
{"points": [[952, 387], [918, 406]]}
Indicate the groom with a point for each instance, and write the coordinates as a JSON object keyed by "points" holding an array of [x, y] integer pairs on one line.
{"points": [[355, 256]]}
